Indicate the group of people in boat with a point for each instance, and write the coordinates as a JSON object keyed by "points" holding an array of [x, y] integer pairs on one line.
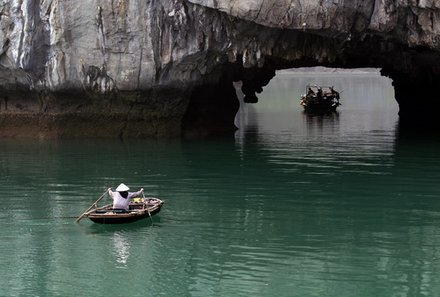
{"points": [[320, 94], [319, 98]]}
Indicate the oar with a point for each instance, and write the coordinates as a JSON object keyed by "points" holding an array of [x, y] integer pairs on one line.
{"points": [[146, 206], [94, 204]]}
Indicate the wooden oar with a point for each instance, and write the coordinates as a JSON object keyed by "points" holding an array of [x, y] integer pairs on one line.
{"points": [[146, 206], [91, 206]]}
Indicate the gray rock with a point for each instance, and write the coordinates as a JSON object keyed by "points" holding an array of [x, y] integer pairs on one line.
{"points": [[147, 62]]}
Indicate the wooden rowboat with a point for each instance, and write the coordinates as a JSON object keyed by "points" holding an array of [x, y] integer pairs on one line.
{"points": [[320, 99], [139, 208]]}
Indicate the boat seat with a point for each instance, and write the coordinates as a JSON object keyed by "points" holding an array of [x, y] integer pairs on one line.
{"points": [[101, 211], [120, 210]]}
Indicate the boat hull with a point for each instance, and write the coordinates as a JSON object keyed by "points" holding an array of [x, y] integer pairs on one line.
{"points": [[320, 108], [137, 212]]}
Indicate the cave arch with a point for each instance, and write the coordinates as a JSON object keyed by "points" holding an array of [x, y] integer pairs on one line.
{"points": [[167, 67], [414, 71]]}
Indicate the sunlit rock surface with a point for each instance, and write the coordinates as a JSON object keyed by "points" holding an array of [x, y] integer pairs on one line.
{"points": [[156, 68]]}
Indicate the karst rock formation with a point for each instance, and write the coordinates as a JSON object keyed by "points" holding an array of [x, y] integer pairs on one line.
{"points": [[125, 68]]}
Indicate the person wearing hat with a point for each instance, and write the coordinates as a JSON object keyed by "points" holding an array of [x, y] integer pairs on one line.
{"points": [[121, 197]]}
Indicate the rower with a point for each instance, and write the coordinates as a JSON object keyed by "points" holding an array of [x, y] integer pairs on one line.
{"points": [[121, 197]]}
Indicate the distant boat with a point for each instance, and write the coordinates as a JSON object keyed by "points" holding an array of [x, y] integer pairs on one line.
{"points": [[320, 99], [139, 208]]}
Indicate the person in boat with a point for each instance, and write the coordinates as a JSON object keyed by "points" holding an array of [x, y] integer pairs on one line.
{"points": [[319, 94], [334, 93], [121, 197], [310, 92]]}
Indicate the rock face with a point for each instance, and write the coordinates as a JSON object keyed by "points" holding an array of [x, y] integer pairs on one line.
{"points": [[156, 68]]}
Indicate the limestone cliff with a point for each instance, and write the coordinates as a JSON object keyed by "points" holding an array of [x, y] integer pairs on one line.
{"points": [[146, 68]]}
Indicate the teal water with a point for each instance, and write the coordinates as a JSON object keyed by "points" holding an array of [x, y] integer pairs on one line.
{"points": [[293, 205]]}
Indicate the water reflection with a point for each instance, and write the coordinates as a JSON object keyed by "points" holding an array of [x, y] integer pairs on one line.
{"points": [[121, 248], [322, 123], [420, 130]]}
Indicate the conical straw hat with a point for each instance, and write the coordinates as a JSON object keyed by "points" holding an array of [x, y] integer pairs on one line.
{"points": [[122, 188]]}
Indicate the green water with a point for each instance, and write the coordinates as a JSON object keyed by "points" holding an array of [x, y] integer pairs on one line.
{"points": [[340, 205]]}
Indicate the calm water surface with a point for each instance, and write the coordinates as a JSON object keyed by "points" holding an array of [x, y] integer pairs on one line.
{"points": [[293, 205]]}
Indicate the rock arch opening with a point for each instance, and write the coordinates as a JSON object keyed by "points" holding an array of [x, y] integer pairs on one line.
{"points": [[259, 51], [367, 103]]}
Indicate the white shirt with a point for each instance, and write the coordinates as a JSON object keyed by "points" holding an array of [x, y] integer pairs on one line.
{"points": [[120, 202]]}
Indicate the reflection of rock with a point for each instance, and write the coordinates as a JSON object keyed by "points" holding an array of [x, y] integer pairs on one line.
{"points": [[154, 59]]}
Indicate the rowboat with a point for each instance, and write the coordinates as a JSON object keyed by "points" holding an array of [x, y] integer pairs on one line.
{"points": [[320, 99], [139, 208]]}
